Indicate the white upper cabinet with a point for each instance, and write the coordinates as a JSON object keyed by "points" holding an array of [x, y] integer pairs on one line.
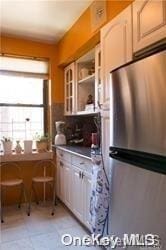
{"points": [[88, 81], [85, 83], [98, 89], [69, 89], [149, 22], [116, 47]]}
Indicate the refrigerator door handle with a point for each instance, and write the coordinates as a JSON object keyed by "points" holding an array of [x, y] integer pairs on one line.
{"points": [[113, 152], [145, 160]]}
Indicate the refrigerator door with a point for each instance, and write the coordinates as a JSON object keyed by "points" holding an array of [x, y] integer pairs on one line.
{"points": [[138, 202], [138, 105]]}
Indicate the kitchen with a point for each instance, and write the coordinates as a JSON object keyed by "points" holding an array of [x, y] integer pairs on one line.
{"points": [[75, 73]]}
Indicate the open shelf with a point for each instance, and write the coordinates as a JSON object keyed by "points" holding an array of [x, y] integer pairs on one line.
{"points": [[87, 79], [85, 82], [85, 112]]}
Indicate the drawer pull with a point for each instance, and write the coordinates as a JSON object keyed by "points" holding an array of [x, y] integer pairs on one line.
{"points": [[82, 163], [80, 174], [61, 154]]}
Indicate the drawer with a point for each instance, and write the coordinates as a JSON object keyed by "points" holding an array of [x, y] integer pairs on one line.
{"points": [[63, 155], [82, 163]]}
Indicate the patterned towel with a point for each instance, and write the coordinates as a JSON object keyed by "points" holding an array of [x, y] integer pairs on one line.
{"points": [[99, 202]]}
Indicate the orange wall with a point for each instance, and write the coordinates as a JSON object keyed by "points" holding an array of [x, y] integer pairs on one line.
{"points": [[80, 38], [114, 7], [16, 46], [11, 195]]}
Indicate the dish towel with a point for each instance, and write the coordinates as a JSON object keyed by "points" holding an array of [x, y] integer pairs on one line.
{"points": [[99, 201]]}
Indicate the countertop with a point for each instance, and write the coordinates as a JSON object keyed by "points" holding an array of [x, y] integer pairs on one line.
{"points": [[34, 156], [78, 150]]}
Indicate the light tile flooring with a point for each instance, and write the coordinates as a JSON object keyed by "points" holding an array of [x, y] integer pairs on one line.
{"points": [[40, 231]]}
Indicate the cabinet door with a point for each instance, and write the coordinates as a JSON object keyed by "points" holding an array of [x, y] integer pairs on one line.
{"points": [[69, 89], [138, 195], [98, 97], [61, 181], [87, 183], [67, 184], [77, 193], [149, 22], [58, 177], [116, 48], [106, 139]]}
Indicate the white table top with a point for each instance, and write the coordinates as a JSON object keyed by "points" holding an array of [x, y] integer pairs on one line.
{"points": [[34, 156]]}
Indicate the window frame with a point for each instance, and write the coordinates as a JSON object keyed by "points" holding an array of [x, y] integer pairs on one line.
{"points": [[44, 105]]}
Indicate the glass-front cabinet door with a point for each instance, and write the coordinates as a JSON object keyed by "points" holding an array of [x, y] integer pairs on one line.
{"points": [[98, 87], [69, 89]]}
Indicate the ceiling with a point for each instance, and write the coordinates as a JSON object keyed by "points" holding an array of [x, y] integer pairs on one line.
{"points": [[40, 20]]}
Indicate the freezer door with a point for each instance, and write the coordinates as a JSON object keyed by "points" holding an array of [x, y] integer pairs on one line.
{"points": [[138, 105], [138, 202]]}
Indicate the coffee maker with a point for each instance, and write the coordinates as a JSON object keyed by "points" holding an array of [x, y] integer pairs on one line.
{"points": [[60, 138]]}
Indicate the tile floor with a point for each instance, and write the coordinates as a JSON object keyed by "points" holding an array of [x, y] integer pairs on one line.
{"points": [[40, 231]]}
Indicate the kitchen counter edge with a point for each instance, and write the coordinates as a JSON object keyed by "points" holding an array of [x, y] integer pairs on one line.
{"points": [[80, 151]]}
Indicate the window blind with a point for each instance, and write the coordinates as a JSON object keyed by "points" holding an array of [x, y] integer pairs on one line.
{"points": [[24, 67]]}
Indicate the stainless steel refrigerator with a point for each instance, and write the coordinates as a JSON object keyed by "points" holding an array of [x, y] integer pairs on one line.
{"points": [[138, 147]]}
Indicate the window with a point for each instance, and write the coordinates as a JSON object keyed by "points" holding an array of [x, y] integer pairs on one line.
{"points": [[21, 107], [22, 98]]}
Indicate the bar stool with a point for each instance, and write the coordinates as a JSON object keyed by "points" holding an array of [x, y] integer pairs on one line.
{"points": [[44, 173], [11, 177]]}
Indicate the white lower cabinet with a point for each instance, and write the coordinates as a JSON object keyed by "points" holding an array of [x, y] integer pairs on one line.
{"points": [[87, 183], [67, 172], [64, 182], [77, 193], [57, 177], [61, 181], [74, 185], [106, 140]]}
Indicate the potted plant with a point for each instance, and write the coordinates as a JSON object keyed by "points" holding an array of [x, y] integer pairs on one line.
{"points": [[42, 142], [7, 145]]}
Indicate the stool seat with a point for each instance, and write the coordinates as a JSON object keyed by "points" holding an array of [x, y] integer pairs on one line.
{"points": [[43, 174], [10, 183], [43, 179], [11, 176]]}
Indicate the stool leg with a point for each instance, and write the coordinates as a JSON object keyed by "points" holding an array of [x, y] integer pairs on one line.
{"points": [[25, 197], [35, 193], [54, 199], [30, 199], [2, 221], [21, 195]]}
